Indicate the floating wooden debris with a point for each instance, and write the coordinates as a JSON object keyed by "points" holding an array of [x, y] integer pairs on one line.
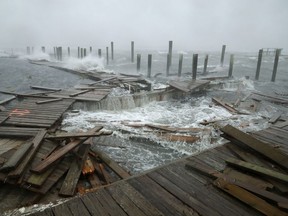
{"points": [[188, 86], [179, 138], [7, 100], [45, 88], [268, 151], [225, 105], [49, 101]]}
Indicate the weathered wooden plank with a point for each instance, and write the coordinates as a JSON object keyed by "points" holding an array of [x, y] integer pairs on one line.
{"points": [[36, 144], [224, 105], [52, 159], [140, 201], [112, 164], [179, 138], [124, 201], [93, 205], [268, 151], [258, 169], [7, 100], [4, 119], [48, 101], [275, 117], [17, 157], [75, 135], [159, 127], [80, 92], [69, 185], [45, 88], [38, 179], [248, 198], [77, 208], [164, 201]]}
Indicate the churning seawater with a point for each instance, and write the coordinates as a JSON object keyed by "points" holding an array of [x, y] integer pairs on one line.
{"points": [[139, 148]]}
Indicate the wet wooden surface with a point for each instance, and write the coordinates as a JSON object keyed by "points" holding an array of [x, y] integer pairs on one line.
{"points": [[176, 190]]}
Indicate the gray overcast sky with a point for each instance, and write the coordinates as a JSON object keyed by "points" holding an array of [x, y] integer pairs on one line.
{"points": [[244, 25]]}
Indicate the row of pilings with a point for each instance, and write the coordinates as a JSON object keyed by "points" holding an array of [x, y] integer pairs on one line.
{"points": [[82, 53]]}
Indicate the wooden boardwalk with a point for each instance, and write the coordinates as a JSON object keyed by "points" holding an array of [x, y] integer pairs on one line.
{"points": [[176, 189], [34, 112]]}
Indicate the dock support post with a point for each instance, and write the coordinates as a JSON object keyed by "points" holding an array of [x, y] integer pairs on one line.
{"points": [[107, 55], [222, 55], [84, 50], [277, 54], [55, 52], [260, 53], [69, 52], [99, 53], [205, 64], [60, 49], [231, 66], [28, 50], [170, 52], [43, 49], [91, 49], [138, 62], [132, 51], [79, 52], [112, 50], [194, 66], [82, 53], [180, 65], [168, 65], [149, 65]]}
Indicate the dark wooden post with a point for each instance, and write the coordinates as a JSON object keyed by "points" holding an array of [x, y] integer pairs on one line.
{"points": [[260, 53], [58, 53], [55, 52], [222, 55], [43, 49], [149, 65], [194, 66], [82, 53], [85, 53], [99, 53], [231, 66], [138, 62], [277, 54], [69, 52], [170, 52], [168, 65], [180, 65], [28, 50], [132, 51], [107, 55], [79, 54], [90, 49], [205, 64], [112, 50]]}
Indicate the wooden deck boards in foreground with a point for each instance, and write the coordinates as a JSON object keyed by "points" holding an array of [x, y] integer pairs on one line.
{"points": [[169, 190]]}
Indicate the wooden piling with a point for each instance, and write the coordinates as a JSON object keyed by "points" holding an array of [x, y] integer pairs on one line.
{"points": [[170, 52], [55, 52], [60, 50], [180, 65], [260, 53], [90, 49], [99, 53], [84, 52], [205, 64], [222, 55], [28, 50], [43, 49], [277, 54], [69, 52], [138, 62], [112, 50], [168, 65], [107, 55], [194, 66], [78, 52], [132, 51], [231, 66], [149, 65]]}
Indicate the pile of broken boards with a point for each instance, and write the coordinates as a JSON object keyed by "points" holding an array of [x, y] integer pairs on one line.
{"points": [[64, 161], [257, 174]]}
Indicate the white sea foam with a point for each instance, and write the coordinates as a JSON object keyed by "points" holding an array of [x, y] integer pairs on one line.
{"points": [[37, 55], [89, 63]]}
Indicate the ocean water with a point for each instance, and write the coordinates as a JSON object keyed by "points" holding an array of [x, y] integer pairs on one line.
{"points": [[139, 148]]}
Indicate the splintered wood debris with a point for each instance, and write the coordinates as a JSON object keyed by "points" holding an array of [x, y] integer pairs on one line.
{"points": [[257, 176]]}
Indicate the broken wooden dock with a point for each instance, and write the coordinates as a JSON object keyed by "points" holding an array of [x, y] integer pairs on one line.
{"points": [[205, 184]]}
